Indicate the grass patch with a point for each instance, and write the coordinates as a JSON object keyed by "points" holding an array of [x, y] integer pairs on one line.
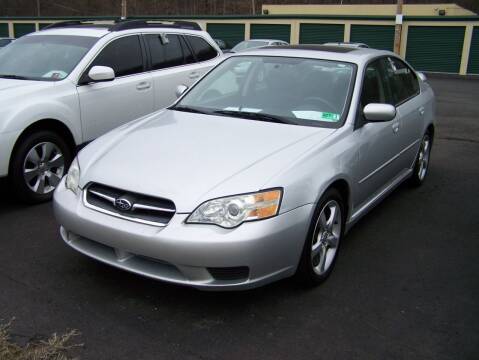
{"points": [[57, 347]]}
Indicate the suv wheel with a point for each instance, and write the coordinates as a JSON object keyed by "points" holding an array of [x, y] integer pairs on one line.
{"points": [[39, 162], [322, 245]]}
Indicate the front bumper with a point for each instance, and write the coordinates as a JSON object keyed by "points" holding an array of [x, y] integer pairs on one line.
{"points": [[185, 253], [7, 142]]}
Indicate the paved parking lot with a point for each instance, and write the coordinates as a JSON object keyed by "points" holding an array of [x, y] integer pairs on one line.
{"points": [[406, 285]]}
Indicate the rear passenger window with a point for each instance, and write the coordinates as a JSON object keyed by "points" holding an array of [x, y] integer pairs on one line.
{"points": [[189, 57], [402, 80], [165, 54], [203, 51], [123, 55]]}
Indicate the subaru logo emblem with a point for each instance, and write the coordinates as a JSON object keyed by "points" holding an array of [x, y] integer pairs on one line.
{"points": [[123, 204]]}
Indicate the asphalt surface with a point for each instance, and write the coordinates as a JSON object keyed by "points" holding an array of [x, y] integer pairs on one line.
{"points": [[406, 284]]}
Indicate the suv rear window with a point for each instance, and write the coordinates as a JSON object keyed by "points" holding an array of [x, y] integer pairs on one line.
{"points": [[203, 51], [165, 55]]}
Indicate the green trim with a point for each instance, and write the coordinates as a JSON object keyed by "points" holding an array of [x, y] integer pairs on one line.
{"points": [[473, 65], [251, 17], [376, 36], [3, 30], [21, 29], [435, 48]]}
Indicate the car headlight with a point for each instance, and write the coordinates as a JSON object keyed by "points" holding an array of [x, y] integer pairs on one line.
{"points": [[73, 177], [232, 211]]}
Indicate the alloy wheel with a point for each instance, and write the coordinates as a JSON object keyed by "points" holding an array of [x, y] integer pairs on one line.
{"points": [[43, 167], [424, 153], [325, 243]]}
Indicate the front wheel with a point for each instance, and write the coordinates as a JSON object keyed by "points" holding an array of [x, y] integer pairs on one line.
{"points": [[322, 245], [421, 165], [38, 163]]}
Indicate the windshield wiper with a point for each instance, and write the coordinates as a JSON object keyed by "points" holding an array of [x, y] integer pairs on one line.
{"points": [[254, 116], [15, 77], [189, 109]]}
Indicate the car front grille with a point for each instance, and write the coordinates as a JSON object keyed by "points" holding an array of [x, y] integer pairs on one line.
{"points": [[129, 205]]}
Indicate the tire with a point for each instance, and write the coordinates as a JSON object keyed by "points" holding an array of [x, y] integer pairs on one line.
{"points": [[321, 247], [38, 163], [421, 165]]}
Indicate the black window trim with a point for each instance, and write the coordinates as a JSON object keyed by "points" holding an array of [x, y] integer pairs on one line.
{"points": [[143, 52]]}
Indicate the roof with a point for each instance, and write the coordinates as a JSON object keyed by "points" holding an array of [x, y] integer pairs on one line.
{"points": [[85, 28], [338, 53]]}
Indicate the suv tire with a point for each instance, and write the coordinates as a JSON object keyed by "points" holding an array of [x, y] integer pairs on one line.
{"points": [[38, 163]]}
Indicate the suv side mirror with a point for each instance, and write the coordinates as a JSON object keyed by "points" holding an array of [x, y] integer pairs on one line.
{"points": [[180, 89], [101, 73], [379, 112]]}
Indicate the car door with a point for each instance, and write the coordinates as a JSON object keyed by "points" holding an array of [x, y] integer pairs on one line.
{"points": [[106, 105], [173, 63], [379, 143], [405, 90]]}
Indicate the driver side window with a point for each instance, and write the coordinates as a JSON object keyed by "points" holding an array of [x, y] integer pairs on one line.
{"points": [[123, 55], [375, 88]]}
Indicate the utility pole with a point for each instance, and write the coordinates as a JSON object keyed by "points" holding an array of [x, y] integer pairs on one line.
{"points": [[253, 7], [398, 29], [38, 8], [123, 9]]}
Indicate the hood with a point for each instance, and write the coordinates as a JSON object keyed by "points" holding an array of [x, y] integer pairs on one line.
{"points": [[11, 88], [190, 158]]}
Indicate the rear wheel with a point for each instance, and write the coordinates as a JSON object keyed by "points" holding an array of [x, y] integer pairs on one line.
{"points": [[39, 162], [322, 245], [421, 165]]}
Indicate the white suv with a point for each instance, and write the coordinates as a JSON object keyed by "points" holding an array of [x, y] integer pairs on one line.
{"points": [[72, 82]]}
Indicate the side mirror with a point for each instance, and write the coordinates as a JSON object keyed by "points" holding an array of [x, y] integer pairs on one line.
{"points": [[101, 73], [180, 89], [379, 112], [421, 76]]}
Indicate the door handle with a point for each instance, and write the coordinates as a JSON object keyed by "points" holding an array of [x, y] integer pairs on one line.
{"points": [[144, 85], [194, 75], [395, 127], [421, 110]]}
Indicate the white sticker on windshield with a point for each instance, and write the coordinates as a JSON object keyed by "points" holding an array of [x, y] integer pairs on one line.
{"points": [[316, 115], [235, 108]]}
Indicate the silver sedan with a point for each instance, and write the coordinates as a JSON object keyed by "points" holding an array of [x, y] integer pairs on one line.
{"points": [[256, 172]]}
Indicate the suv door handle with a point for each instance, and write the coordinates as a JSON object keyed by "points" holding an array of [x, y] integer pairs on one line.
{"points": [[194, 75], [395, 127], [144, 85], [421, 110]]}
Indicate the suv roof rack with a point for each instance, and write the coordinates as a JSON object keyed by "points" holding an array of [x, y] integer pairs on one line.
{"points": [[68, 23], [127, 24], [137, 24]]}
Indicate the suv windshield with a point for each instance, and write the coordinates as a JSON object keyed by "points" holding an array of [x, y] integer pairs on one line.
{"points": [[43, 57], [289, 90]]}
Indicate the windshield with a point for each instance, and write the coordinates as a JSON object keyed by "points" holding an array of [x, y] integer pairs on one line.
{"points": [[43, 57], [249, 45], [297, 91]]}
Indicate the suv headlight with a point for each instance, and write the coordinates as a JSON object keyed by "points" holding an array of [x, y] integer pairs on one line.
{"points": [[232, 211], [73, 176]]}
